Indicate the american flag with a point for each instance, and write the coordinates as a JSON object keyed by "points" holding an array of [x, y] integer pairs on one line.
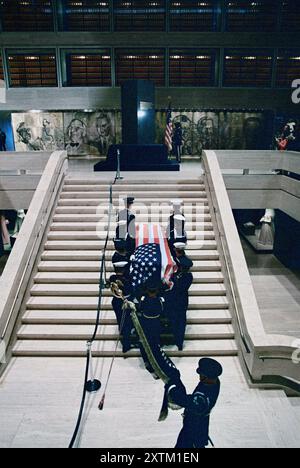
{"points": [[169, 130], [152, 256]]}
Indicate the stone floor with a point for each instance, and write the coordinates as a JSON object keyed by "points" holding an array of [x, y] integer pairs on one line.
{"points": [[39, 401], [277, 290]]}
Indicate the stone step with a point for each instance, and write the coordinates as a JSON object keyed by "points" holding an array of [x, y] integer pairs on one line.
{"points": [[93, 278], [134, 190], [111, 333], [102, 226], [102, 219], [164, 210], [95, 179], [94, 266], [206, 233], [88, 317], [207, 241], [91, 303], [145, 201], [139, 196], [92, 290], [72, 348], [97, 255]]}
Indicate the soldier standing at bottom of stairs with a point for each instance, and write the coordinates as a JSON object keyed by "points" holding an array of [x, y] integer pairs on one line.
{"points": [[198, 405], [177, 299], [123, 317], [151, 308]]}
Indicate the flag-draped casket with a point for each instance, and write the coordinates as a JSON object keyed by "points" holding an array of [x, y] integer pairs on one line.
{"points": [[152, 258]]}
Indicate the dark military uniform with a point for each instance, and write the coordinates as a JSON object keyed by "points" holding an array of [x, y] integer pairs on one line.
{"points": [[177, 301], [151, 309], [176, 231], [198, 405], [126, 227], [177, 141], [123, 317], [122, 257]]}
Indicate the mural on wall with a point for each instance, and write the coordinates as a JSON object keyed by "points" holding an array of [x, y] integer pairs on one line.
{"points": [[89, 134], [160, 126], [244, 130], [206, 131], [38, 131], [219, 130]]}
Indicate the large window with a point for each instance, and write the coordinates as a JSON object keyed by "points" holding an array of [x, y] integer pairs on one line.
{"points": [[288, 67], [32, 69], [192, 68], [89, 69], [247, 68], [137, 64], [290, 15], [193, 15], [139, 15], [29, 15], [86, 15], [251, 15]]}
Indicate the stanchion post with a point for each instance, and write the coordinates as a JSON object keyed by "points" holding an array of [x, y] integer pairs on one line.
{"points": [[93, 385], [118, 177]]}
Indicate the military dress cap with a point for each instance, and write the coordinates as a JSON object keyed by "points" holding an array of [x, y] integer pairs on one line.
{"points": [[176, 202], [185, 262], [120, 264], [210, 368], [180, 245], [129, 200]]}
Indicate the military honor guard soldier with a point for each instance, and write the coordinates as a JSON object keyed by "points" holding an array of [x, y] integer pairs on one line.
{"points": [[121, 278], [121, 254], [198, 405], [176, 227], [151, 309], [126, 225], [177, 299]]}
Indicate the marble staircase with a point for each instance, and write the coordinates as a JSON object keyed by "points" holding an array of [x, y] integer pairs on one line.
{"points": [[61, 308]]}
